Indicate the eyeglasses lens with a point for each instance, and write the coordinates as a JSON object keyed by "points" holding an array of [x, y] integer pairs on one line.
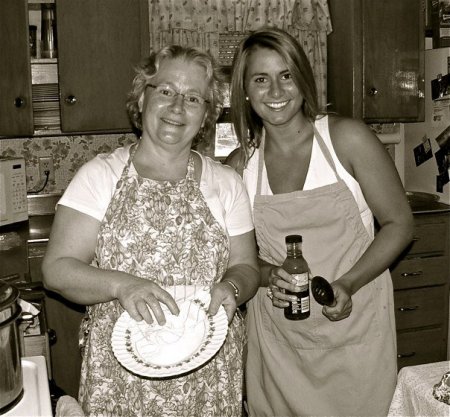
{"points": [[167, 93]]}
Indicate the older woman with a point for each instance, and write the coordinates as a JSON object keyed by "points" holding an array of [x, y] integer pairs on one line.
{"points": [[151, 215]]}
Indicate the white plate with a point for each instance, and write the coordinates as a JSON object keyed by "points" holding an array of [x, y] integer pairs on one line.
{"points": [[184, 343]]}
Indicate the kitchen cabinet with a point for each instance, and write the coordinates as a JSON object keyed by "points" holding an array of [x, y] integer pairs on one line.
{"points": [[21, 266], [99, 42], [376, 60], [421, 292], [16, 112], [63, 317]]}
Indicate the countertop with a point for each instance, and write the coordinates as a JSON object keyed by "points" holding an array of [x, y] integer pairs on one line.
{"points": [[428, 207]]}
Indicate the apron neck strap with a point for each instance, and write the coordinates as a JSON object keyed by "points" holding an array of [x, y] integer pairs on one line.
{"points": [[322, 145], [325, 151], [190, 167], [130, 158], [260, 162]]}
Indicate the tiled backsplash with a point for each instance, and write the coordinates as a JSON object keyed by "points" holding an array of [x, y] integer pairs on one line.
{"points": [[68, 152]]}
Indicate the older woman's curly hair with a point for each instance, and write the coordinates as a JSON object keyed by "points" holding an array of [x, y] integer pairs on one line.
{"points": [[215, 78]]}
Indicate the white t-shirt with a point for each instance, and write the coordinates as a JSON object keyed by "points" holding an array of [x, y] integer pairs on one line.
{"points": [[93, 186]]}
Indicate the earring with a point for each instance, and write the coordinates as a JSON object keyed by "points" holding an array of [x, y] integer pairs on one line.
{"points": [[246, 98]]}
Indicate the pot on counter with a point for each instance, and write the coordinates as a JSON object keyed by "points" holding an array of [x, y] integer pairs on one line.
{"points": [[11, 383]]}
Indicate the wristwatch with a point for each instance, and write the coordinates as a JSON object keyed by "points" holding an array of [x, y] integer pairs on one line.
{"points": [[235, 287]]}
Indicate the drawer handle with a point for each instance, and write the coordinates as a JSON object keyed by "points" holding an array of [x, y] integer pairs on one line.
{"points": [[406, 355], [408, 308], [411, 274]]}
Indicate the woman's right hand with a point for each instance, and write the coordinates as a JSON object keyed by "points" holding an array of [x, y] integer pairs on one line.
{"points": [[142, 299], [280, 280]]}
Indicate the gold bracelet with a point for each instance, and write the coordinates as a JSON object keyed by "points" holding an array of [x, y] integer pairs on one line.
{"points": [[235, 287]]}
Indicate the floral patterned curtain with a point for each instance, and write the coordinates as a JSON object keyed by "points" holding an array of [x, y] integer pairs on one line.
{"points": [[201, 23]]}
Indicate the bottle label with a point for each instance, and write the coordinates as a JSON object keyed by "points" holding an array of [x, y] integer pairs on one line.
{"points": [[302, 305], [302, 280]]}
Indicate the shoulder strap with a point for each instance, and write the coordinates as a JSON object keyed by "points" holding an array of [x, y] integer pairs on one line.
{"points": [[326, 152]]}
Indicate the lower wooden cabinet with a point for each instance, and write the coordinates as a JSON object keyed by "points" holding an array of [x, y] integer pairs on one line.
{"points": [[63, 319], [423, 346], [63, 322], [421, 292]]}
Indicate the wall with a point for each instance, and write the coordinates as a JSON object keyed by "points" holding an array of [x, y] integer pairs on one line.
{"points": [[69, 153]]}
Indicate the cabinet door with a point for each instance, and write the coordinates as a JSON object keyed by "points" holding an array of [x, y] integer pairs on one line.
{"points": [[376, 60], [393, 51], [99, 43], [16, 111]]}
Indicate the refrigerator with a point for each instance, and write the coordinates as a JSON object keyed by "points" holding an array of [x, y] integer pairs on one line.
{"points": [[433, 135]]}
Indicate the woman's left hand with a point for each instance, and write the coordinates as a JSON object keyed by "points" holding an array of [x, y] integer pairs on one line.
{"points": [[343, 303], [222, 294]]}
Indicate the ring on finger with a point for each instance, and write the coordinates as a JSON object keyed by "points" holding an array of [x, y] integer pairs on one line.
{"points": [[269, 293]]}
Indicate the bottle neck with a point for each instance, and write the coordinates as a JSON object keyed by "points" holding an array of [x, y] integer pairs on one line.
{"points": [[294, 250]]}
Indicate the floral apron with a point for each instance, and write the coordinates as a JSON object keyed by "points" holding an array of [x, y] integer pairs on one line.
{"points": [[165, 232], [316, 367]]}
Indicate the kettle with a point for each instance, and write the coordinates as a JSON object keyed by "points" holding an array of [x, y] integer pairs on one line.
{"points": [[11, 379]]}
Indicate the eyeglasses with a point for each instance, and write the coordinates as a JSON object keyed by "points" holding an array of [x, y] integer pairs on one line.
{"points": [[191, 100]]}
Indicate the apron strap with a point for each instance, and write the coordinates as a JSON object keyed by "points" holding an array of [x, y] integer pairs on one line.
{"points": [[322, 145], [326, 152], [130, 158], [260, 163], [190, 174]]}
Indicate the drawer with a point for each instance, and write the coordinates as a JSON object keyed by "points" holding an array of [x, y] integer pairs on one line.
{"points": [[420, 272], [424, 346], [429, 237], [420, 307]]}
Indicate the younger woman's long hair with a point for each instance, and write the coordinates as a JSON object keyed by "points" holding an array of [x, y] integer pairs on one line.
{"points": [[247, 124]]}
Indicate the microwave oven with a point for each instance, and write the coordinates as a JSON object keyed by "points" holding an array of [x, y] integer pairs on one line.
{"points": [[13, 191]]}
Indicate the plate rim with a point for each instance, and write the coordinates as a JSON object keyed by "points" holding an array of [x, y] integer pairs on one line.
{"points": [[122, 346]]}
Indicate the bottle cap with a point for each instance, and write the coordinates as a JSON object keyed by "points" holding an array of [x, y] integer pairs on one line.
{"points": [[293, 239]]}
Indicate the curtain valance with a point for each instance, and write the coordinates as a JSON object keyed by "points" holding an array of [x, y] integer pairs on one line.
{"points": [[201, 23]]}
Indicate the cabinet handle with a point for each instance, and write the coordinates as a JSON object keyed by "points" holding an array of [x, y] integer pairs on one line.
{"points": [[408, 308], [373, 91], [406, 355], [19, 102], [411, 274], [51, 336], [71, 100]]}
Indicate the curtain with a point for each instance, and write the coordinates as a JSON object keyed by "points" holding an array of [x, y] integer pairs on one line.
{"points": [[203, 23]]}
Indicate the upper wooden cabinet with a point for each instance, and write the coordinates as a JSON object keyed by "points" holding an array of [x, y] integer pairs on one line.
{"points": [[16, 112], [99, 43], [376, 60]]}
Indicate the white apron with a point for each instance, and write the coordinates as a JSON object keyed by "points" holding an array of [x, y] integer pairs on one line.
{"points": [[316, 367]]}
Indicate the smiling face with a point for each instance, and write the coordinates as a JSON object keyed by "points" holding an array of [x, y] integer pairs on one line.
{"points": [[168, 121], [272, 92]]}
